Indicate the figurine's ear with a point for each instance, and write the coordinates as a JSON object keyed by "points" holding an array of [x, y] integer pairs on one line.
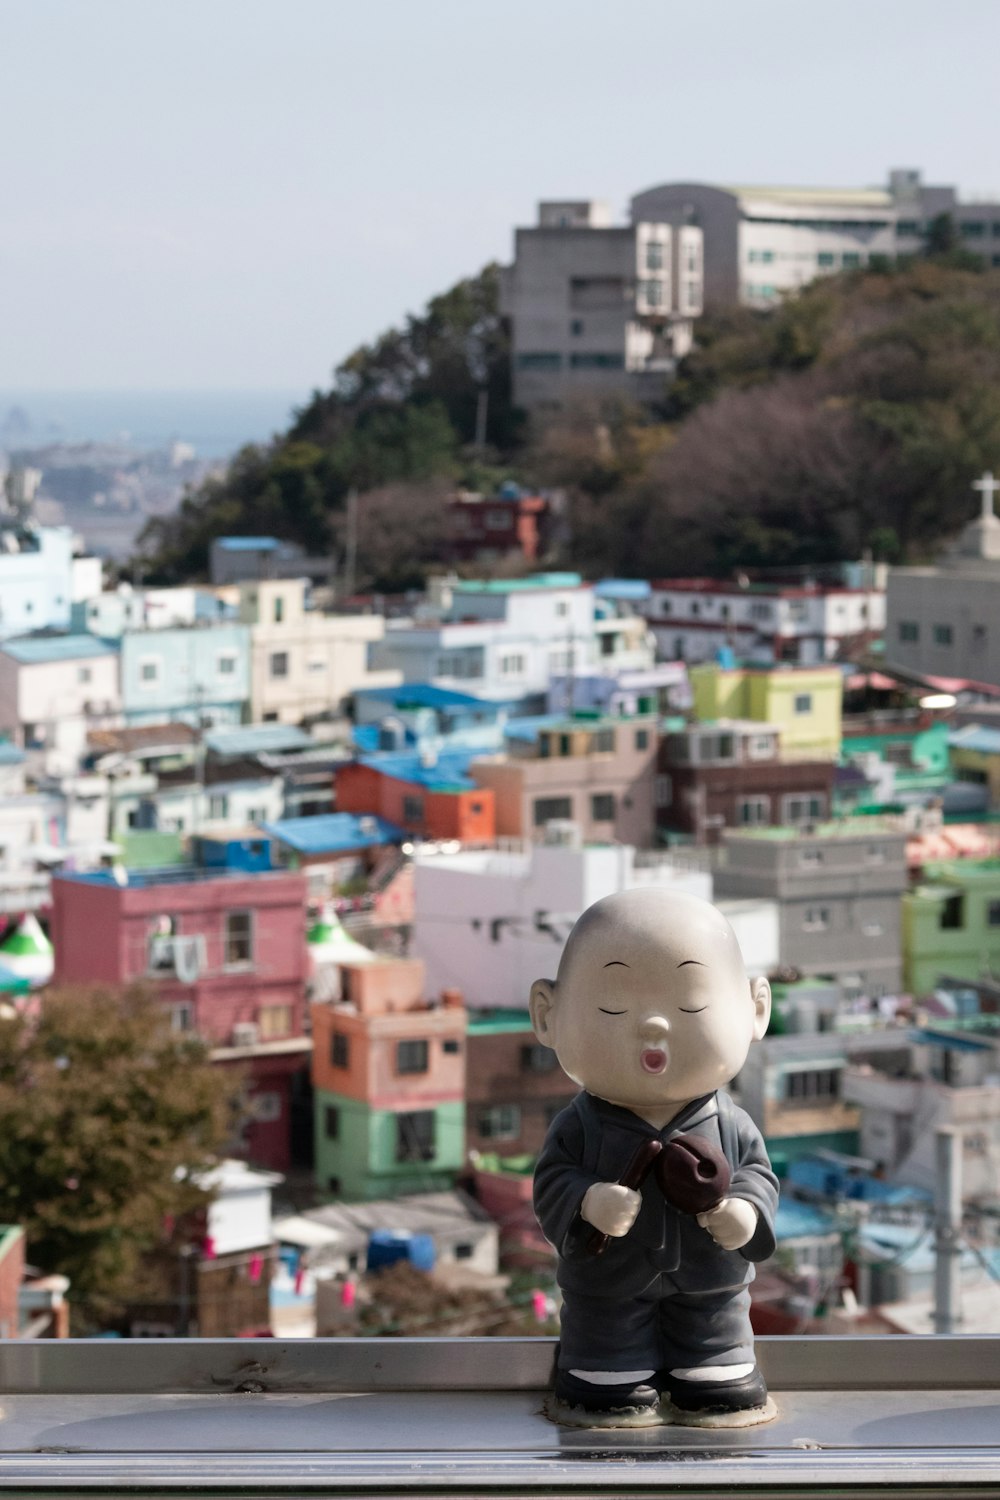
{"points": [[543, 997], [760, 994]]}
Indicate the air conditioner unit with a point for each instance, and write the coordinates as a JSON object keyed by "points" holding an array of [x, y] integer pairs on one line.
{"points": [[564, 833], [246, 1034]]}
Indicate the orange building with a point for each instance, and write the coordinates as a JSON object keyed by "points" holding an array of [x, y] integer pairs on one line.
{"points": [[431, 801], [389, 1083]]}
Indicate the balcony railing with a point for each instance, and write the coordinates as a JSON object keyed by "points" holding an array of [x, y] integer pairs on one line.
{"points": [[913, 1417]]}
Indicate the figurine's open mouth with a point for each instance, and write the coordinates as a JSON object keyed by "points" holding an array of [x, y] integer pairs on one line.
{"points": [[654, 1059]]}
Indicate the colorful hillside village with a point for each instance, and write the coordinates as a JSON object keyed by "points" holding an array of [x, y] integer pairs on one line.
{"points": [[339, 840]]}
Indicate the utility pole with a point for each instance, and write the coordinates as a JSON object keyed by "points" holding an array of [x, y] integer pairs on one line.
{"points": [[482, 408], [351, 551], [947, 1228]]}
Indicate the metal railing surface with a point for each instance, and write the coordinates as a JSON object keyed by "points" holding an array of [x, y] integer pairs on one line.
{"points": [[915, 1417]]}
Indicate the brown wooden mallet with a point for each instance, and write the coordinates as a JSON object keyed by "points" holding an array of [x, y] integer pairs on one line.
{"points": [[633, 1177]]}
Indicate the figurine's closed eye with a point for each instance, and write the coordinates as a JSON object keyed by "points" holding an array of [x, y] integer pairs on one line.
{"points": [[610, 1012], [695, 1010]]}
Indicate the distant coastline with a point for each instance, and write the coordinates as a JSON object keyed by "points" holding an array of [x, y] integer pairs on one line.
{"points": [[215, 423]]}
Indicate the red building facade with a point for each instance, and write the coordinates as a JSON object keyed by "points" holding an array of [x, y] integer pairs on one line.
{"points": [[225, 954]]}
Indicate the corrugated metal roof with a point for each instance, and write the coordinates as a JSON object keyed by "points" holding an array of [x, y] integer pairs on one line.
{"points": [[424, 695], [449, 771], [34, 649], [333, 833], [255, 739]]}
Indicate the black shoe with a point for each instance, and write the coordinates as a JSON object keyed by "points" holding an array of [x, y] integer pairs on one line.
{"points": [[710, 1397], [627, 1399]]}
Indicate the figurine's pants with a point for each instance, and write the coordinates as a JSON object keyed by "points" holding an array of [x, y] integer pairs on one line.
{"points": [[662, 1329]]}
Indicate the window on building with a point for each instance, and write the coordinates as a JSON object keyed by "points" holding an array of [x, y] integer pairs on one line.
{"points": [[548, 809], [909, 630], [850, 259], [150, 670], [597, 361], [603, 742], [908, 227], [760, 746], [512, 665], [654, 255], [973, 229], [538, 1059], [83, 674], [803, 809], [663, 791], [279, 664], [238, 937], [576, 328], [993, 913], [803, 703], [815, 919], [753, 812], [979, 637], [225, 664], [464, 1252], [761, 611], [953, 911], [279, 609], [413, 808], [808, 1084], [724, 747], [411, 1056], [340, 1050], [654, 293], [539, 361], [182, 1017], [265, 1107], [642, 739], [565, 744], [218, 805], [874, 855], [451, 1046], [501, 1122], [331, 1122], [415, 1135], [562, 608], [826, 258], [602, 807], [810, 858], [943, 635], [274, 1021]]}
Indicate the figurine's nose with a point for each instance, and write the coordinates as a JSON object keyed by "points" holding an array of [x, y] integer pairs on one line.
{"points": [[654, 1029]]}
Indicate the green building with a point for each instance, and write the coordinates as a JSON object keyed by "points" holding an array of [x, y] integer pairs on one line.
{"points": [[951, 924]]}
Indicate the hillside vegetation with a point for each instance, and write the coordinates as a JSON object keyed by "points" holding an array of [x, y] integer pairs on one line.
{"points": [[853, 416]]}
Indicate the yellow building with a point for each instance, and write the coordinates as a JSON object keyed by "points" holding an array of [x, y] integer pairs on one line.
{"points": [[804, 703], [975, 756]]}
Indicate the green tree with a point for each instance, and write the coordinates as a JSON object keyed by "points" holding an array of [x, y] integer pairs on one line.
{"points": [[105, 1117]]}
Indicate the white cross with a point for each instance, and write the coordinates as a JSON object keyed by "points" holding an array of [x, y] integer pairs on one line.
{"points": [[987, 487]]}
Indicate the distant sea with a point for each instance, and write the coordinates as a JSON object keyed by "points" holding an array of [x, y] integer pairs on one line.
{"points": [[215, 423]]}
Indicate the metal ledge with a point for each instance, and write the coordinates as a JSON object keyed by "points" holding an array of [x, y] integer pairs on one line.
{"points": [[888, 1416]]}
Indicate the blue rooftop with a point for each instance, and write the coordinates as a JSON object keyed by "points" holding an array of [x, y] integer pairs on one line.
{"points": [[33, 649], [248, 543], [949, 1042], [426, 695], [256, 739], [450, 769], [622, 588], [794, 1219], [976, 737], [334, 833]]}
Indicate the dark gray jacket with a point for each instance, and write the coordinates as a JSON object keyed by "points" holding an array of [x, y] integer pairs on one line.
{"points": [[593, 1141]]}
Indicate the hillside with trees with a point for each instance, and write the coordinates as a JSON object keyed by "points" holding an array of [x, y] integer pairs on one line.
{"points": [[852, 416]]}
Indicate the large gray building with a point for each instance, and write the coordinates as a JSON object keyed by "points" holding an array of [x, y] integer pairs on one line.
{"points": [[578, 291], [838, 888], [596, 307], [943, 622]]}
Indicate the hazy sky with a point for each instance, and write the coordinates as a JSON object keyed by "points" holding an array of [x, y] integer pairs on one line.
{"points": [[235, 193]]}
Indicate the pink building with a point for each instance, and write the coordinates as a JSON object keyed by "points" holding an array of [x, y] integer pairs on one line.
{"points": [[226, 954]]}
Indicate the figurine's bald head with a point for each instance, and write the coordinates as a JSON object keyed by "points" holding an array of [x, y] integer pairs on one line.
{"points": [[651, 1004]]}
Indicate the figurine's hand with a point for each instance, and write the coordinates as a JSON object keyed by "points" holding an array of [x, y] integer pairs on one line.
{"points": [[610, 1207], [731, 1223]]}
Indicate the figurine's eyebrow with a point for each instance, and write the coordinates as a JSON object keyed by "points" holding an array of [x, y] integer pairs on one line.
{"points": [[620, 961], [691, 961]]}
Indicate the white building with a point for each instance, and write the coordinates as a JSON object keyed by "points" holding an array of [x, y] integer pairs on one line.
{"points": [[36, 578], [807, 624], [944, 621], [490, 921], [596, 307], [304, 664], [504, 639], [763, 242], [52, 690]]}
